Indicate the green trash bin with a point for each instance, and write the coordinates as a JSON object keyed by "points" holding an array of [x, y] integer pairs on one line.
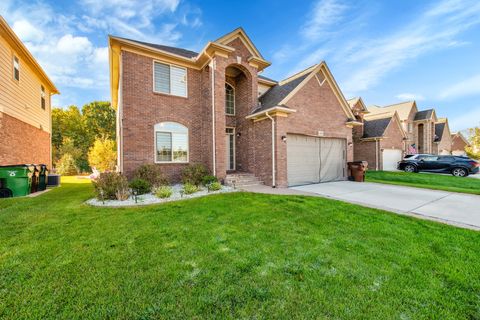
{"points": [[42, 177], [15, 180]]}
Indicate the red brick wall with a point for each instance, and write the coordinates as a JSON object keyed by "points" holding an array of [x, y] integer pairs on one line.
{"points": [[318, 109], [22, 143], [365, 151], [458, 144], [392, 139], [142, 109]]}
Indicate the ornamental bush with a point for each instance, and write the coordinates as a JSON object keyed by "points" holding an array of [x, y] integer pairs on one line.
{"points": [[152, 174], [140, 186], [66, 165], [189, 188], [111, 186], [214, 186], [194, 174], [164, 192]]}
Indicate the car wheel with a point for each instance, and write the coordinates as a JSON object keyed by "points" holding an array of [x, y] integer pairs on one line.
{"points": [[459, 172], [410, 168]]}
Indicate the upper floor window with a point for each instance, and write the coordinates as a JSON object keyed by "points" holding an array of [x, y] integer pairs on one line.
{"points": [[169, 79], [171, 142], [16, 68], [410, 127], [229, 100], [42, 97]]}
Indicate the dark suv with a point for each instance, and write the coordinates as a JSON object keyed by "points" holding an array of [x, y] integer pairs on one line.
{"points": [[459, 166]]}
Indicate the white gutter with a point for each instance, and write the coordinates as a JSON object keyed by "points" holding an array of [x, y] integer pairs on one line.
{"points": [[212, 66], [376, 155], [273, 149]]}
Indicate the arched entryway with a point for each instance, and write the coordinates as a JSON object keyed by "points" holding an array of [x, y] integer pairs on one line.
{"points": [[421, 135]]}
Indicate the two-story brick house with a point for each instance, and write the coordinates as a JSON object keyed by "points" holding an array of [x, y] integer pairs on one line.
{"points": [[25, 109], [443, 137], [176, 107]]}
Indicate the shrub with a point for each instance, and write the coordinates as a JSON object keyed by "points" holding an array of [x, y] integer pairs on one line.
{"points": [[66, 165], [164, 192], [189, 188], [103, 155], [194, 174], [152, 174], [209, 180], [140, 186], [113, 184], [214, 186]]}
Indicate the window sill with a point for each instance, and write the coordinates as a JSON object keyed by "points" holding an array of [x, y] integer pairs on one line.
{"points": [[169, 95], [171, 162]]}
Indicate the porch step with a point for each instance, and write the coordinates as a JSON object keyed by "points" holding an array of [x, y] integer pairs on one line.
{"points": [[242, 179]]}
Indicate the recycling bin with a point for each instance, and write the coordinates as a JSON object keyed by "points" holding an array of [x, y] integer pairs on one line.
{"points": [[42, 177], [15, 180], [357, 170]]}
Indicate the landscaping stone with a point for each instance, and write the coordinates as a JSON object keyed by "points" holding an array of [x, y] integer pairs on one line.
{"points": [[150, 198]]}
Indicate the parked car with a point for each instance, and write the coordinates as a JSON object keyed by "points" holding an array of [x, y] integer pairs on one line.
{"points": [[459, 166]]}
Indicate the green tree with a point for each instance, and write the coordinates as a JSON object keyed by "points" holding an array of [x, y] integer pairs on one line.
{"points": [[99, 118], [66, 165], [103, 155]]}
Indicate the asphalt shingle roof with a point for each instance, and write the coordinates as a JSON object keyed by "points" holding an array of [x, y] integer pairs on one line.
{"points": [[178, 51], [439, 128], [266, 78], [272, 97], [423, 115], [375, 128]]}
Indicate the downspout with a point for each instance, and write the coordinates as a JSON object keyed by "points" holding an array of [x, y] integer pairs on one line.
{"points": [[376, 154], [273, 149], [212, 67]]}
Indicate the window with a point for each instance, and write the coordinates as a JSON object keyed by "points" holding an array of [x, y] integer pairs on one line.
{"points": [[229, 100], [171, 142], [42, 97], [16, 69], [169, 79], [430, 158], [410, 127]]}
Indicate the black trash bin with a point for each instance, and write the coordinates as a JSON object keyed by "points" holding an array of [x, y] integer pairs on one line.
{"points": [[35, 177], [42, 177]]}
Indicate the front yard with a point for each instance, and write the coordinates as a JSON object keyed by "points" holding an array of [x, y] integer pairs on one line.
{"points": [[236, 255], [427, 181]]}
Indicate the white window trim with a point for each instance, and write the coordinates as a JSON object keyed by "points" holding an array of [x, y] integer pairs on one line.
{"points": [[176, 66], [234, 147], [155, 145], [234, 105]]}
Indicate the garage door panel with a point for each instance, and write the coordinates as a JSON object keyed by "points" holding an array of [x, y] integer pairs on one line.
{"points": [[314, 159], [332, 164], [391, 158], [303, 160]]}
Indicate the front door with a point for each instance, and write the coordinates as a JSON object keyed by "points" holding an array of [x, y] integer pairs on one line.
{"points": [[230, 148]]}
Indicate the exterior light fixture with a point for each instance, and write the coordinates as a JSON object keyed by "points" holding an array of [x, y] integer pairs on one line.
{"points": [[284, 138]]}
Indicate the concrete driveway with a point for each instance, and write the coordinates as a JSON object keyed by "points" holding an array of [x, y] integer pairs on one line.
{"points": [[453, 208]]}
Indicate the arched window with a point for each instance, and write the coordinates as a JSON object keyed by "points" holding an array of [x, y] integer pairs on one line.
{"points": [[171, 142], [229, 100]]}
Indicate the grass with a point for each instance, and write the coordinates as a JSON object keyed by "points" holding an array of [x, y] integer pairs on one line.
{"points": [[427, 181], [236, 255]]}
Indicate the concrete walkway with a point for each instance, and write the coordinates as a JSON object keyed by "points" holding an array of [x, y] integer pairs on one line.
{"points": [[453, 208]]}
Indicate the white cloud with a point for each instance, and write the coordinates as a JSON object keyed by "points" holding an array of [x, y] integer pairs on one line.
{"points": [[464, 120], [100, 55], [325, 14], [467, 87], [410, 96], [26, 31], [71, 45]]}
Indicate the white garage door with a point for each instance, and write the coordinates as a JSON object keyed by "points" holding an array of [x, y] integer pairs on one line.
{"points": [[459, 153], [390, 159], [314, 160]]}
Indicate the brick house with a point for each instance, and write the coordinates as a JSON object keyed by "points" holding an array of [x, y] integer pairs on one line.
{"points": [[176, 107], [459, 143], [25, 110], [380, 140], [443, 137]]}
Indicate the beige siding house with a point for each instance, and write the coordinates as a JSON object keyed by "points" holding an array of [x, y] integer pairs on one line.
{"points": [[25, 108]]}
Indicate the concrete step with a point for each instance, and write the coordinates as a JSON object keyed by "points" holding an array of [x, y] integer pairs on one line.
{"points": [[242, 179]]}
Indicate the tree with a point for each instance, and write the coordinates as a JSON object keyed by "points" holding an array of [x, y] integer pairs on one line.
{"points": [[66, 165], [474, 138], [103, 155], [99, 118]]}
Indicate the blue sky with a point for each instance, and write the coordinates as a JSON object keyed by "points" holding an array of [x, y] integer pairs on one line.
{"points": [[383, 51]]}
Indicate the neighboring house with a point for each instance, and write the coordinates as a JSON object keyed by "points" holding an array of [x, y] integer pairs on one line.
{"points": [[178, 107], [443, 137], [424, 131], [459, 143], [25, 110], [406, 112], [380, 141]]}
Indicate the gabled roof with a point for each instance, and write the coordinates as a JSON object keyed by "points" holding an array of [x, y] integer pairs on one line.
{"points": [[459, 134], [177, 51], [280, 94], [242, 35], [375, 125], [439, 128], [357, 100], [403, 109], [13, 39], [424, 115], [266, 79]]}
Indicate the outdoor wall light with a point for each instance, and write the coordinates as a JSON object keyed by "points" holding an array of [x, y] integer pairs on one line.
{"points": [[239, 134], [350, 144], [284, 138]]}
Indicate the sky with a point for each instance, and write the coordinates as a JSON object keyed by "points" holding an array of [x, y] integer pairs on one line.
{"points": [[384, 51]]}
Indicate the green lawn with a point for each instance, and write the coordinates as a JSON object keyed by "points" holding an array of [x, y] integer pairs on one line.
{"points": [[235, 255], [428, 181]]}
